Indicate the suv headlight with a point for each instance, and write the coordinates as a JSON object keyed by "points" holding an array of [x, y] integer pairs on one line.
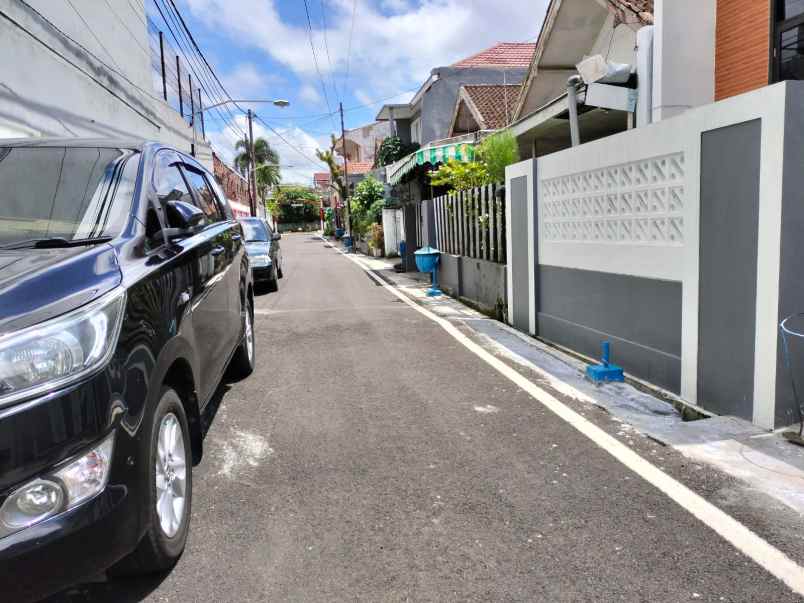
{"points": [[260, 261], [52, 354], [64, 489]]}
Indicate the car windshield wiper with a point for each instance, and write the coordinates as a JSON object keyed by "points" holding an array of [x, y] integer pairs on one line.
{"points": [[256, 240], [54, 242]]}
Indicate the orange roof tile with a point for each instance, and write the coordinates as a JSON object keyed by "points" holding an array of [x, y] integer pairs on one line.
{"points": [[495, 103], [502, 54], [360, 167]]}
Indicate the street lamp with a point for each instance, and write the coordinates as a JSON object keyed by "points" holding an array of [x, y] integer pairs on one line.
{"points": [[252, 185]]}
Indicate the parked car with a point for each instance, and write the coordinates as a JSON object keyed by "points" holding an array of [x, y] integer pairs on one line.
{"points": [[125, 292], [264, 251]]}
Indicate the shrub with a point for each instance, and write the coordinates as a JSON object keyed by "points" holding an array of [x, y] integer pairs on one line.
{"points": [[496, 152]]}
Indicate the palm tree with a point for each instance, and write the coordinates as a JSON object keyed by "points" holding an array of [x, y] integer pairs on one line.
{"points": [[267, 164]]}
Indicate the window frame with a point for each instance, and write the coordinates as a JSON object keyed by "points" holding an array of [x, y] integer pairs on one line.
{"points": [[200, 172], [778, 27]]}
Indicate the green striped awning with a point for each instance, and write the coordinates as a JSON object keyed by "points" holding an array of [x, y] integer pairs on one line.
{"points": [[461, 151]]}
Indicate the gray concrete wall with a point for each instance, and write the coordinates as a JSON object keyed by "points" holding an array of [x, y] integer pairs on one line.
{"points": [[56, 86], [791, 276], [438, 102], [641, 317], [478, 281], [729, 231]]}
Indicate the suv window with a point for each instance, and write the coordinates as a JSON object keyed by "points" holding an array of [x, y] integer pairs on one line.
{"points": [[66, 192], [169, 183], [207, 200]]}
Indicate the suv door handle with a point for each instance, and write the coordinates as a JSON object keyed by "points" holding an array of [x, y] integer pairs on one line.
{"points": [[217, 250]]}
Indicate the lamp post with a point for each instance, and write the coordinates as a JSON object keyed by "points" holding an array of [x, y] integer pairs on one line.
{"points": [[252, 185]]}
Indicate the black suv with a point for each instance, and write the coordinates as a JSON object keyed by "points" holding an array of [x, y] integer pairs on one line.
{"points": [[125, 292]]}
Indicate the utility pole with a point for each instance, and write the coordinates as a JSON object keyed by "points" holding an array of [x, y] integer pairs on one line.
{"points": [[252, 185], [346, 174]]}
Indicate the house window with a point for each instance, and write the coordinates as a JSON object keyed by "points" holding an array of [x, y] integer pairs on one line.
{"points": [[789, 40], [416, 130]]}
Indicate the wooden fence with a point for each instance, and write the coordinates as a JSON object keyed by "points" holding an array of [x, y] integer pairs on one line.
{"points": [[472, 224]]}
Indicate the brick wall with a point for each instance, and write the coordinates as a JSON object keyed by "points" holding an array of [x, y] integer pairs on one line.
{"points": [[234, 185], [742, 46]]}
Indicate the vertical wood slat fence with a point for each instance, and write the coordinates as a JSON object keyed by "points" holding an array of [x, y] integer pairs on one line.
{"points": [[472, 224]]}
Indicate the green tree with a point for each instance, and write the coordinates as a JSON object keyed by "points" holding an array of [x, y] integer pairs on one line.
{"points": [[266, 160], [295, 203], [367, 203], [460, 175], [336, 178], [496, 152]]}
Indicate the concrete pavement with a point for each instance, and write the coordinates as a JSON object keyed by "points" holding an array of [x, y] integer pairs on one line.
{"points": [[372, 457]]}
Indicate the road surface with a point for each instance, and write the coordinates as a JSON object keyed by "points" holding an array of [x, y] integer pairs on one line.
{"points": [[372, 457]]}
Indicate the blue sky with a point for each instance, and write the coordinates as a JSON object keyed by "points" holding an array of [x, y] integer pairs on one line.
{"points": [[262, 49]]}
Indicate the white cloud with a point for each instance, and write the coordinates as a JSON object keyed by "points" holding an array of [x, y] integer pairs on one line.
{"points": [[297, 159], [247, 80], [310, 95], [389, 52]]}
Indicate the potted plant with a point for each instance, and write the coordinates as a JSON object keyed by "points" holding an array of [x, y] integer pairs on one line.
{"points": [[376, 241]]}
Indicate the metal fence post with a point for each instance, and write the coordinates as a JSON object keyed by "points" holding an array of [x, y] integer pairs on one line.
{"points": [[162, 62], [201, 113], [178, 78]]}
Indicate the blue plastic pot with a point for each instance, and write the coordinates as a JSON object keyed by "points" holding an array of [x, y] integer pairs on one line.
{"points": [[427, 259], [339, 232]]}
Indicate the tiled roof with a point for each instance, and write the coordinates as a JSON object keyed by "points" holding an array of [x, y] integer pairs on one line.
{"points": [[321, 177], [360, 167], [495, 103], [502, 54]]}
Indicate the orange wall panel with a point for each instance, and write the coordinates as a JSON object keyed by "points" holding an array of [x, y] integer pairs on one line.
{"points": [[742, 49]]}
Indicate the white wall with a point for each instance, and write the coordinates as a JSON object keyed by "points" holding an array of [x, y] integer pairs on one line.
{"points": [[51, 86], [683, 55], [630, 204]]}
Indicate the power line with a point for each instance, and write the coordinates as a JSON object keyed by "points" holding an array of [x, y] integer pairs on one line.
{"points": [[204, 83], [315, 61], [326, 48], [349, 50], [89, 29], [146, 51], [286, 141]]}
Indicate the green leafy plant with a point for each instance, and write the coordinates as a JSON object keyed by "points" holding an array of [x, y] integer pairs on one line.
{"points": [[496, 152], [266, 160], [393, 149], [459, 175], [367, 203], [295, 203]]}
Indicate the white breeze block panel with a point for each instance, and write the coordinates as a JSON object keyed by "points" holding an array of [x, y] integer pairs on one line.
{"points": [[641, 202]]}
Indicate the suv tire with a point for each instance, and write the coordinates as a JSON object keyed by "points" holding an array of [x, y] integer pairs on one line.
{"points": [[169, 494], [243, 361]]}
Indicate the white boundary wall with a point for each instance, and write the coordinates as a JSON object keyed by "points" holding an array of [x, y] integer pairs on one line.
{"points": [[657, 169]]}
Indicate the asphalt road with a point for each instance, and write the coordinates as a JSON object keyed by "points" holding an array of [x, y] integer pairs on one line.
{"points": [[353, 465]]}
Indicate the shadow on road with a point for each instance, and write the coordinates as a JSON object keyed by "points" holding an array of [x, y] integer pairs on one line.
{"points": [[119, 590]]}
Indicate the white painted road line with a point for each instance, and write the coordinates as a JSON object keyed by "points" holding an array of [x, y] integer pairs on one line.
{"points": [[750, 544]]}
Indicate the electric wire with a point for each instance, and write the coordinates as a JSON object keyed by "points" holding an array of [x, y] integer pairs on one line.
{"points": [[315, 62]]}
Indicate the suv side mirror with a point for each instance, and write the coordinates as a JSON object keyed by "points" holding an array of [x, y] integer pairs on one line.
{"points": [[276, 236], [184, 217]]}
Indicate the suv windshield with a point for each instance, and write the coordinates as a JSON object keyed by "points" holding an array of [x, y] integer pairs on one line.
{"points": [[69, 193], [254, 231]]}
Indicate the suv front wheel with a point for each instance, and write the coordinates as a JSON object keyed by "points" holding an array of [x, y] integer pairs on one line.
{"points": [[169, 492]]}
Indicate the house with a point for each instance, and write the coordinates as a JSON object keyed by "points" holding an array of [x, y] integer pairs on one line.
{"points": [[363, 143], [671, 228], [484, 107], [97, 75], [428, 115], [571, 31]]}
